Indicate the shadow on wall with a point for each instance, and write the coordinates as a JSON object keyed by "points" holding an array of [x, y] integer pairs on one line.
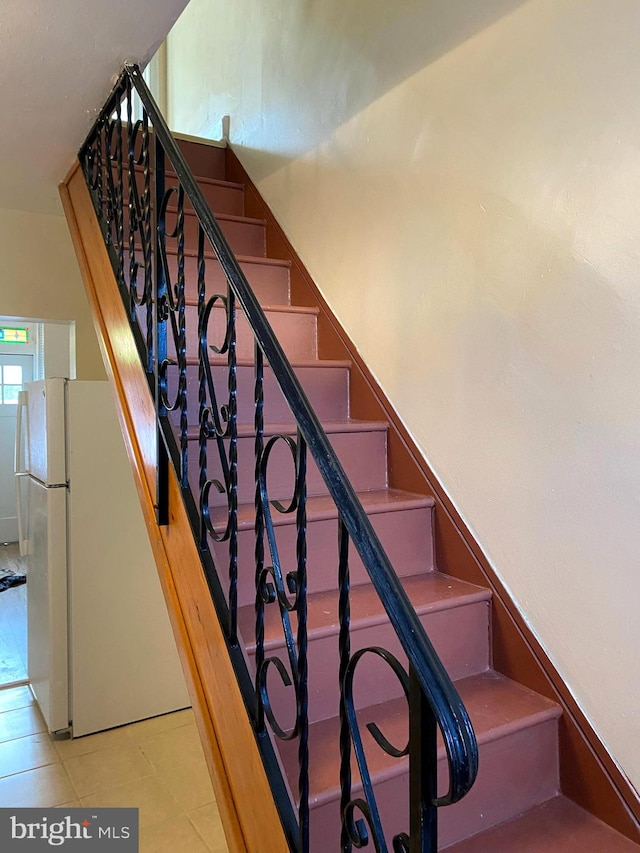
{"points": [[344, 56]]}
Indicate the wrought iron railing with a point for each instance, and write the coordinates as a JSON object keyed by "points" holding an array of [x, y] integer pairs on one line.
{"points": [[144, 193]]}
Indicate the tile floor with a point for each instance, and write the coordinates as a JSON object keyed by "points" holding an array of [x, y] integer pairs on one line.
{"points": [[156, 765]]}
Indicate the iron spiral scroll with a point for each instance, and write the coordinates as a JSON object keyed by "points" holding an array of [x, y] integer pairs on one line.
{"points": [[274, 587], [185, 323]]}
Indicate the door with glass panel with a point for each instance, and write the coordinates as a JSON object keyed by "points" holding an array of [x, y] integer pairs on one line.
{"points": [[15, 370]]}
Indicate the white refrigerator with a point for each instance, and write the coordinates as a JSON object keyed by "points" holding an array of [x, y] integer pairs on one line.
{"points": [[100, 648]]}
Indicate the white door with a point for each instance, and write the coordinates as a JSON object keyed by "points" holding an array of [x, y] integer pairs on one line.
{"points": [[15, 370]]}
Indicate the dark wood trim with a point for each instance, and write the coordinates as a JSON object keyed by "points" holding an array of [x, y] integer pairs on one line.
{"points": [[588, 774]]}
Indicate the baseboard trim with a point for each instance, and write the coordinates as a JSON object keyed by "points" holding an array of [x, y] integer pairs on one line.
{"points": [[588, 774]]}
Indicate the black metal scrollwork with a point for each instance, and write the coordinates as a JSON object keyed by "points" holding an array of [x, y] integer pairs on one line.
{"points": [[172, 306], [139, 220], [219, 422], [355, 830], [420, 747], [289, 592]]}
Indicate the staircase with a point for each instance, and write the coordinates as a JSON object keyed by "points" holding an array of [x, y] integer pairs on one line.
{"points": [[518, 782], [516, 803]]}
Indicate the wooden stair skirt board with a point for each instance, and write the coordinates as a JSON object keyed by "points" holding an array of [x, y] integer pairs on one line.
{"points": [[537, 754]]}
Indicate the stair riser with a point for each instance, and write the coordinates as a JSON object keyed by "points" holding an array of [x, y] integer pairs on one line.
{"points": [[221, 198], [269, 282], [296, 332], [205, 161], [244, 238], [326, 388], [460, 636], [405, 535], [517, 772], [363, 455]]}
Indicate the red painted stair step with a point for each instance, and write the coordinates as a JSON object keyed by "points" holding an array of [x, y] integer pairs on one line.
{"points": [[269, 279], [361, 447], [221, 196], [205, 161], [556, 826], [401, 520], [325, 383], [295, 328], [245, 236], [517, 735], [454, 614]]}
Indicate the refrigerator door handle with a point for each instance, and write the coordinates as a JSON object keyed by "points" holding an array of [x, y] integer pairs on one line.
{"points": [[17, 460], [20, 472]]}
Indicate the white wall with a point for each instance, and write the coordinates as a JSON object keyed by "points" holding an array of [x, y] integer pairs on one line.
{"points": [[58, 343], [463, 182], [40, 278]]}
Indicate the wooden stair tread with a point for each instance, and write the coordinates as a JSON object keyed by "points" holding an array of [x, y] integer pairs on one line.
{"points": [[428, 592], [556, 826]]}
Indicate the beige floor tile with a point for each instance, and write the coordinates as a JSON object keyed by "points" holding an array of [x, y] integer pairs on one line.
{"points": [[190, 786], [73, 747], [166, 722], [21, 722], [15, 697], [72, 804], [148, 795], [25, 753], [40, 788], [179, 760], [207, 821], [110, 767], [176, 835]]}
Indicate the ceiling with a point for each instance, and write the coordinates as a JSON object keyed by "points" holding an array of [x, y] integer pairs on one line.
{"points": [[58, 61]]}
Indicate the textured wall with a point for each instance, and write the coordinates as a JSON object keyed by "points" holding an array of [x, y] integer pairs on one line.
{"points": [[463, 181], [39, 278]]}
